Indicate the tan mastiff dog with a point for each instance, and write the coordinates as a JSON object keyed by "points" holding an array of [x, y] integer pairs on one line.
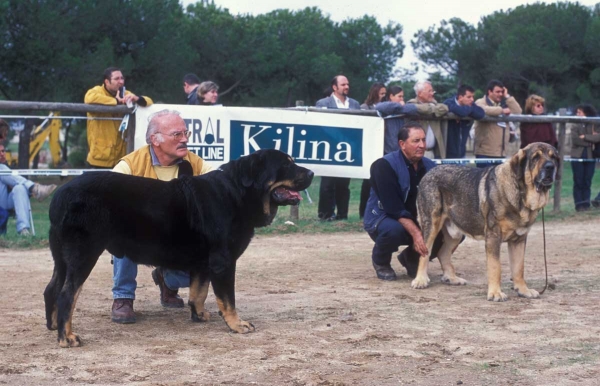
{"points": [[496, 204]]}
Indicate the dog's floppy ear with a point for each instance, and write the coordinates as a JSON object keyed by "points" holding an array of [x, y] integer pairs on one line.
{"points": [[254, 170], [518, 163]]}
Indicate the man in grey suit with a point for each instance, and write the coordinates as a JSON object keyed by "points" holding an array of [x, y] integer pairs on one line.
{"points": [[334, 191]]}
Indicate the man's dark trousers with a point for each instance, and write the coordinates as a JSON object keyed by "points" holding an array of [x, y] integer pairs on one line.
{"points": [[456, 146], [388, 236], [334, 191]]}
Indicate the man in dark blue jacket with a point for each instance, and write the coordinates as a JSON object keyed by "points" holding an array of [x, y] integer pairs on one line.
{"points": [[458, 129], [190, 87], [391, 213]]}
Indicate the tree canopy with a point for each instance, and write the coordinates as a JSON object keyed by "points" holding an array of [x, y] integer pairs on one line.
{"points": [[548, 49], [56, 50]]}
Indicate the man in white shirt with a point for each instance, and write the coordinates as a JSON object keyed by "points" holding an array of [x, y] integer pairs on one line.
{"points": [[334, 191]]}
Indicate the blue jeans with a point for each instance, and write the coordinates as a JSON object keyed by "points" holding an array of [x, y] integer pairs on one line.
{"points": [[456, 145], [125, 273], [388, 236], [583, 172], [17, 198]]}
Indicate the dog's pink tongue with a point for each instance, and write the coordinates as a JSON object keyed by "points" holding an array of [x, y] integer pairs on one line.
{"points": [[295, 194], [289, 194]]}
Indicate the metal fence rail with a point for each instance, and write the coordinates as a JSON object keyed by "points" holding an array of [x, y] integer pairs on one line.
{"points": [[28, 107]]}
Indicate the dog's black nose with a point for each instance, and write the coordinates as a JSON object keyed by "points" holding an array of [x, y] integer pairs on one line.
{"points": [[549, 166], [310, 174]]}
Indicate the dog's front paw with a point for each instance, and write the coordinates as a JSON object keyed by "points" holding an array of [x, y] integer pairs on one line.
{"points": [[242, 327], [202, 316], [420, 282], [455, 280], [528, 293], [497, 296], [71, 340]]}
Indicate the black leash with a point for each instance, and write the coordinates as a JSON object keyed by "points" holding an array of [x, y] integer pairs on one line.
{"points": [[545, 262]]}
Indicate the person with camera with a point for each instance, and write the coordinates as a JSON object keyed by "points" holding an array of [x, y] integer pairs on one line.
{"points": [[106, 144]]}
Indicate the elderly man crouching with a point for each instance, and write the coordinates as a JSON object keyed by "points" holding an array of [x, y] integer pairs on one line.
{"points": [[164, 158]]}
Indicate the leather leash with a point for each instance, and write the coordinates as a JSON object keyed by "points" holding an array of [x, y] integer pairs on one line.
{"points": [[545, 262]]}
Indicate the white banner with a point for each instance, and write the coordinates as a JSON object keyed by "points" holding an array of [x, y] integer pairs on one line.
{"points": [[337, 145]]}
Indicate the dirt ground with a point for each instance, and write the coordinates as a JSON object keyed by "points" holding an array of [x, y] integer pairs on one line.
{"points": [[322, 318]]}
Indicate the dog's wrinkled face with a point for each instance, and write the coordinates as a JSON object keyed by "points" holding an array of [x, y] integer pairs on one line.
{"points": [[542, 162], [276, 178], [536, 166]]}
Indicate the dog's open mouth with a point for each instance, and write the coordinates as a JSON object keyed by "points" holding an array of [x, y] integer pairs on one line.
{"points": [[544, 183], [285, 196]]}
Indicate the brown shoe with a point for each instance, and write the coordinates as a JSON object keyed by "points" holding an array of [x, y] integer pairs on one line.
{"points": [[122, 311], [168, 297]]}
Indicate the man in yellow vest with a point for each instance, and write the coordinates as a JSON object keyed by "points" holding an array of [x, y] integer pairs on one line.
{"points": [[165, 157]]}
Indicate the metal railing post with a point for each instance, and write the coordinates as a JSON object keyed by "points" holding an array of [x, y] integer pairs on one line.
{"points": [[562, 132]]}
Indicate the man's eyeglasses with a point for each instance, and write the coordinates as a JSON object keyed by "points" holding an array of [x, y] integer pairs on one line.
{"points": [[178, 134]]}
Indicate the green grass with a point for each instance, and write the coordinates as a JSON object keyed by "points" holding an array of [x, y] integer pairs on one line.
{"points": [[307, 222]]}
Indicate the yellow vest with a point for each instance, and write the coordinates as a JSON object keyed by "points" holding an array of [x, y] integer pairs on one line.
{"points": [[140, 163]]}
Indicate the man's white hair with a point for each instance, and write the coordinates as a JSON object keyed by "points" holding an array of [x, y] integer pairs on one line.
{"points": [[420, 85], [153, 124]]}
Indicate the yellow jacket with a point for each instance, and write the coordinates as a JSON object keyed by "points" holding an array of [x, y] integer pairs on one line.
{"points": [[140, 163], [104, 140]]}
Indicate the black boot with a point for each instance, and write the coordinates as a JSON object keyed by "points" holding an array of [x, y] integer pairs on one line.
{"points": [[384, 272], [409, 258]]}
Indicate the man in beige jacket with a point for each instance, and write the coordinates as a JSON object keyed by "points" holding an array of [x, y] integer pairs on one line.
{"points": [[491, 138], [428, 106]]}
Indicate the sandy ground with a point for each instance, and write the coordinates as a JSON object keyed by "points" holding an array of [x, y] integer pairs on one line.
{"points": [[322, 318]]}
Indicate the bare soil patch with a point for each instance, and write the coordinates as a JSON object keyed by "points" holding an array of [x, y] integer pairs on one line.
{"points": [[322, 318]]}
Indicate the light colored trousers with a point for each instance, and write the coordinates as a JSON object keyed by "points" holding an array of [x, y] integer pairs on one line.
{"points": [[17, 198]]}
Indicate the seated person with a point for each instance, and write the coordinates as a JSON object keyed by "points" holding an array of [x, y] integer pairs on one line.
{"points": [[15, 192]]}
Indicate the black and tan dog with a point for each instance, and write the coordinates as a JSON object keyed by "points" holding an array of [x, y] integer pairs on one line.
{"points": [[496, 204], [199, 224]]}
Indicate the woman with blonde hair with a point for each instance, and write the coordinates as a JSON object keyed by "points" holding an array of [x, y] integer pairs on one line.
{"points": [[208, 93], [537, 131]]}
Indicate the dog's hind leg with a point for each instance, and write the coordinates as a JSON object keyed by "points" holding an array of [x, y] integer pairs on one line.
{"points": [[51, 294], [516, 254], [56, 282], [199, 282], [79, 266], [445, 257]]}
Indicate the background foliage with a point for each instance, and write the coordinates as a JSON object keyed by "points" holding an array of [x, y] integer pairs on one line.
{"points": [[54, 50], [549, 49]]}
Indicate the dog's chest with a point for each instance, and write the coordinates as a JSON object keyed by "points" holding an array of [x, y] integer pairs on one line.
{"points": [[520, 226]]}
